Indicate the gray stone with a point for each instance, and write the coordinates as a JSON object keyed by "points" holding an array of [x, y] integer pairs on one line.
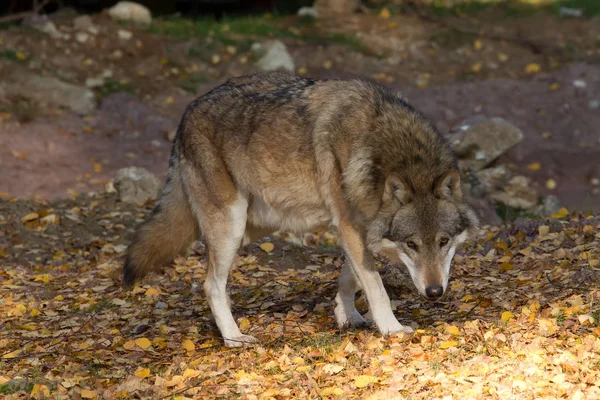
{"points": [[124, 35], [82, 37], [495, 178], [275, 56], [131, 12], [518, 194], [485, 210], [84, 23], [308, 12], [50, 91], [136, 185], [50, 29], [550, 205], [481, 141], [94, 82]]}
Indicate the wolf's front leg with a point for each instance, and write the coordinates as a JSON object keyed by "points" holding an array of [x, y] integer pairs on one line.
{"points": [[361, 261]]}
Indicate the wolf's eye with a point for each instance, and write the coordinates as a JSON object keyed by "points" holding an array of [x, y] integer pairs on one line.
{"points": [[411, 245], [443, 242]]}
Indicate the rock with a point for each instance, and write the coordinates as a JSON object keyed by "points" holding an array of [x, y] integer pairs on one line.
{"points": [[570, 12], [82, 37], [83, 23], [471, 182], [46, 26], [131, 12], [550, 205], [494, 179], [485, 210], [308, 12], [124, 35], [136, 185], [50, 91], [336, 7], [94, 82], [517, 194], [480, 141], [275, 56]]}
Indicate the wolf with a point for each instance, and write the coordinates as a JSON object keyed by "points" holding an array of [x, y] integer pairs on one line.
{"points": [[274, 151]]}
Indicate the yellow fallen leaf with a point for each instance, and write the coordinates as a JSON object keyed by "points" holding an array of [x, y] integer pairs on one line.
{"points": [[385, 13], [35, 312], [129, 345], [331, 391], [502, 57], [30, 217], [447, 344], [170, 100], [142, 372], [298, 360], [533, 68], [267, 247], [188, 345], [97, 168], [506, 267], [190, 373], [21, 56], [506, 316], [555, 86], [244, 323], [143, 343], [362, 381], [12, 354], [550, 184], [272, 392], [563, 212], [45, 278], [535, 166], [41, 389], [88, 394], [304, 368], [478, 44], [544, 230], [453, 330], [476, 68], [151, 292]]}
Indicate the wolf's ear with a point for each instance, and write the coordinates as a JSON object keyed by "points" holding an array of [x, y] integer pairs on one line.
{"points": [[396, 190], [448, 186]]}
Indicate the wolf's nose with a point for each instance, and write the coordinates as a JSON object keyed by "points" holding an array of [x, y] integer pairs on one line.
{"points": [[434, 291]]}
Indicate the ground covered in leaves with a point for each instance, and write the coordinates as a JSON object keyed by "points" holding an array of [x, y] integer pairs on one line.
{"points": [[521, 319]]}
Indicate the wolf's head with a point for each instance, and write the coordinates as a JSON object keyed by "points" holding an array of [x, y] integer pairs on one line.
{"points": [[422, 228]]}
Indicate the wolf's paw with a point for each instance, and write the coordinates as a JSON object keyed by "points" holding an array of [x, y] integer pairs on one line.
{"points": [[395, 327], [240, 341], [352, 320], [405, 329]]}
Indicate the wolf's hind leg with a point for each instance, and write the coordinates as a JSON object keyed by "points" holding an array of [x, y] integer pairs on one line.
{"points": [[346, 314], [223, 224], [223, 242]]}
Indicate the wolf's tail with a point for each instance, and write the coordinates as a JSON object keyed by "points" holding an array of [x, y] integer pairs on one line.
{"points": [[169, 231]]}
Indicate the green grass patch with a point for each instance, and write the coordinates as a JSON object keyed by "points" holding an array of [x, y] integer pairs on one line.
{"points": [[13, 55], [510, 214], [114, 86], [514, 8], [15, 386], [240, 32], [191, 82], [590, 8]]}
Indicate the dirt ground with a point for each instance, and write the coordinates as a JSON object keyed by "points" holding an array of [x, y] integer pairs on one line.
{"points": [[48, 153]]}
